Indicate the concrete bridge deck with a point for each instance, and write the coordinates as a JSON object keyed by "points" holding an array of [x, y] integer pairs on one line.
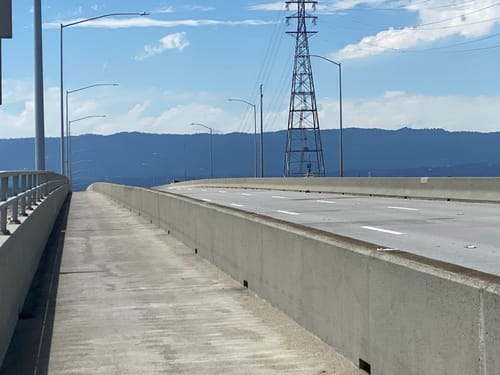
{"points": [[117, 295]]}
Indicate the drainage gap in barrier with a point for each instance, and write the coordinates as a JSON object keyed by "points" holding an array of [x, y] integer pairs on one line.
{"points": [[245, 283], [365, 366], [168, 231], [25, 316], [196, 250]]}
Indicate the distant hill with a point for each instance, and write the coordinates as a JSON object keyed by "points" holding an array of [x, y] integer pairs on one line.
{"points": [[153, 159]]}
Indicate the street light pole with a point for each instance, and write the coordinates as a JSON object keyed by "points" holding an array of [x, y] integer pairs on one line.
{"points": [[254, 129], [341, 146], [261, 131], [70, 168], [61, 89], [67, 115], [211, 146]]}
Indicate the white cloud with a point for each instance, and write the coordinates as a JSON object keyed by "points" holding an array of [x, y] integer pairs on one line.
{"points": [[438, 20], [78, 11], [200, 8], [95, 7], [173, 41], [396, 109], [164, 10], [122, 23], [278, 5], [139, 108], [172, 112]]}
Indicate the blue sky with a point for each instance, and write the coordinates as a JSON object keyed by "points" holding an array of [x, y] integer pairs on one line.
{"points": [[415, 63]]}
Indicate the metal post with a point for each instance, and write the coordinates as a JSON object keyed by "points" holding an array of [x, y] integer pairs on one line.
{"points": [[67, 135], [341, 135], [15, 206], [261, 132], [30, 195], [211, 156], [255, 153], [255, 137], [24, 198], [61, 89], [39, 115], [3, 198]]}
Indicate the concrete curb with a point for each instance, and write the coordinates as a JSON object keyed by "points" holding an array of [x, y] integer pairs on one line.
{"points": [[394, 312], [459, 189]]}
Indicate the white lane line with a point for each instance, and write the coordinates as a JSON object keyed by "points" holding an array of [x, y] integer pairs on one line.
{"points": [[383, 230], [277, 197], [237, 205], [204, 190], [287, 212], [403, 208], [246, 194], [329, 202], [206, 200], [222, 191]]}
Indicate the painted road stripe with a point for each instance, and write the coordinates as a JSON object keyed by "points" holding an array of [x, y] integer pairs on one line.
{"points": [[204, 190], [237, 205], [288, 212], [222, 191], [206, 200], [383, 230], [403, 208], [277, 197], [329, 202], [246, 194]]}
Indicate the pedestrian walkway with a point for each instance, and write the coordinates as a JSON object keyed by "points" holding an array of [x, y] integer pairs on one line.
{"points": [[124, 297]]}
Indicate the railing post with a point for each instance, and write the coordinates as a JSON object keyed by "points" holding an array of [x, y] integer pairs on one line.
{"points": [[24, 198], [46, 189], [3, 198], [15, 205], [38, 196], [31, 194]]}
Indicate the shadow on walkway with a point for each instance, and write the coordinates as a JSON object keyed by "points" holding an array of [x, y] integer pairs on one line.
{"points": [[29, 349]]}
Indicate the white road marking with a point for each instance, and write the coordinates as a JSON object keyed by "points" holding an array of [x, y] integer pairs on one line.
{"points": [[206, 200], [288, 212], [204, 190], [246, 194], [222, 191], [383, 230], [237, 205], [277, 197], [329, 202], [403, 208]]}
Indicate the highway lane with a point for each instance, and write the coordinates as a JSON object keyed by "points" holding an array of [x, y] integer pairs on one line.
{"points": [[462, 233]]}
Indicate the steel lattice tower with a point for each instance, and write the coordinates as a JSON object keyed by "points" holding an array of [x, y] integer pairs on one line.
{"points": [[303, 154]]}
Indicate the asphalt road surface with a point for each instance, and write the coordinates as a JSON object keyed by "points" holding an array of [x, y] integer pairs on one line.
{"points": [[462, 233]]}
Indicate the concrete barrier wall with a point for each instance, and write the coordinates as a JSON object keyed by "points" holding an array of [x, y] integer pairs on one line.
{"points": [[20, 255], [398, 312], [470, 189]]}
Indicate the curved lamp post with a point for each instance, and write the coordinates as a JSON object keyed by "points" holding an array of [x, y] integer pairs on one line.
{"points": [[61, 92], [211, 147], [70, 168], [254, 128], [67, 113], [339, 65]]}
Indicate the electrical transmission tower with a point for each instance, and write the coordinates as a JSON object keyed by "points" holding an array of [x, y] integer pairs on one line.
{"points": [[303, 154]]}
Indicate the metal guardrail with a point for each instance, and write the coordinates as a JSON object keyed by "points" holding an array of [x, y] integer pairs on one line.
{"points": [[21, 190]]}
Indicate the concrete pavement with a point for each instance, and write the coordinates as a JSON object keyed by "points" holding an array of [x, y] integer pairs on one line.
{"points": [[129, 299]]}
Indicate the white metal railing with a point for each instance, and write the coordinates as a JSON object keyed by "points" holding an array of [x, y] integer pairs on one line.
{"points": [[21, 190]]}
